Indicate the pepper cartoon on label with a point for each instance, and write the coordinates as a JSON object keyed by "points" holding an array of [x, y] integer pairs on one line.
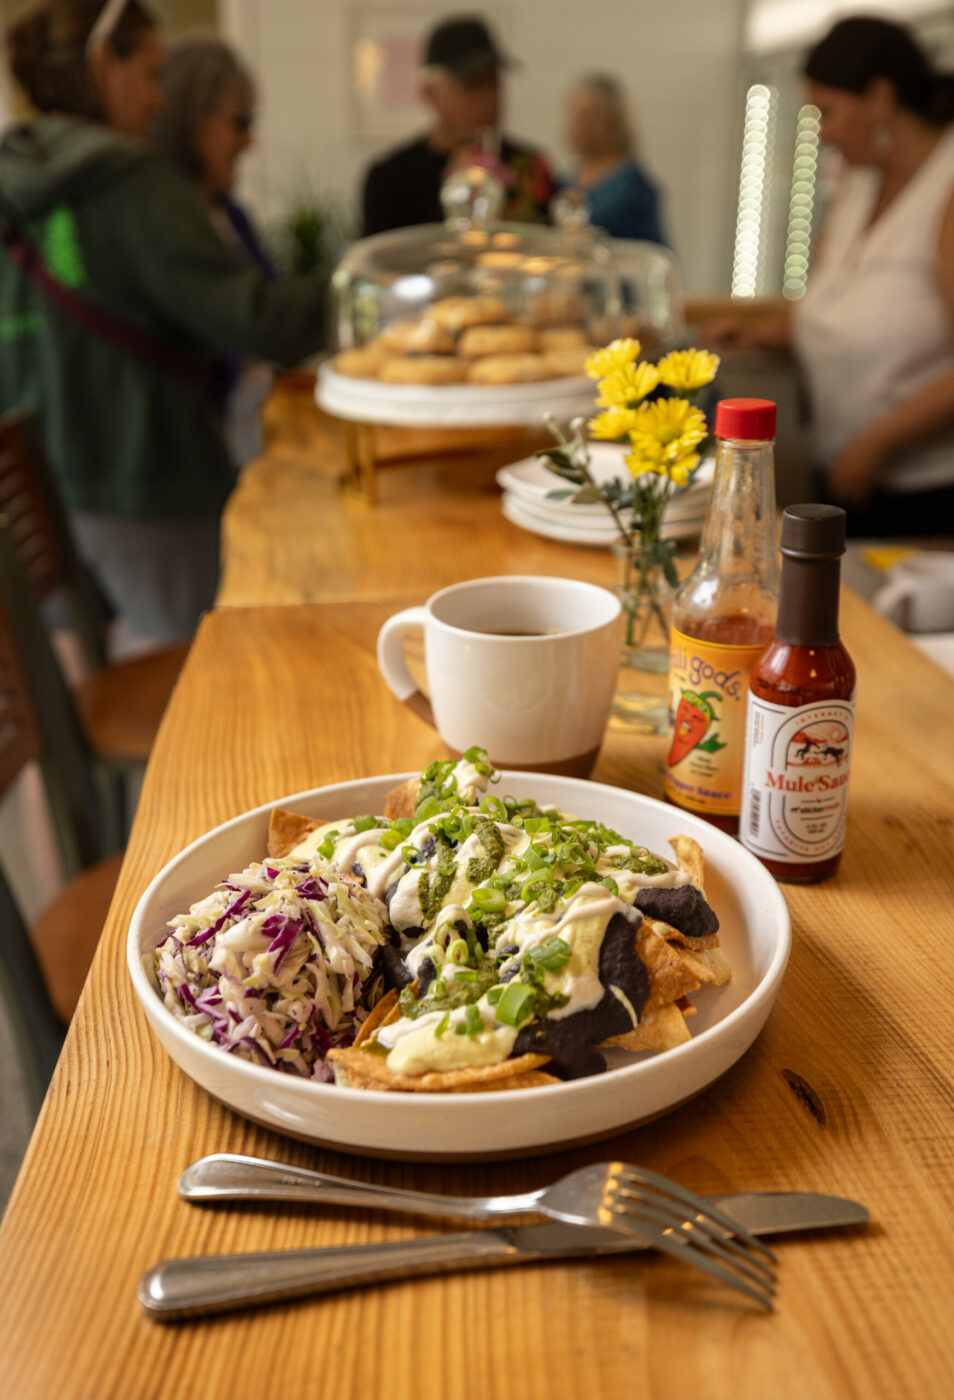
{"points": [[694, 716]]}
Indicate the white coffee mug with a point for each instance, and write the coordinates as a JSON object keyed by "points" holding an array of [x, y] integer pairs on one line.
{"points": [[525, 667], [919, 593]]}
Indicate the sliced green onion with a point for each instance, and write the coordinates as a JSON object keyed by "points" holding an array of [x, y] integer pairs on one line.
{"points": [[458, 952], [609, 883], [473, 1021], [465, 974], [552, 954], [493, 901], [515, 1004], [442, 1025], [327, 846], [475, 754], [494, 995]]}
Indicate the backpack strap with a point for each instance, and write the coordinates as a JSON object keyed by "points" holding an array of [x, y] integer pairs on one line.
{"points": [[132, 340]]}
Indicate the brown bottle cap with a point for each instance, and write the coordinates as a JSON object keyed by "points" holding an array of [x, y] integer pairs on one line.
{"points": [[813, 531]]}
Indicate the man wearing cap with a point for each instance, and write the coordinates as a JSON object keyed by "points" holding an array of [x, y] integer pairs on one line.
{"points": [[461, 85]]}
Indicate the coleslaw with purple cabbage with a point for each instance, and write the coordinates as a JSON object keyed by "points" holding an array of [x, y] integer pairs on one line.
{"points": [[272, 966]]}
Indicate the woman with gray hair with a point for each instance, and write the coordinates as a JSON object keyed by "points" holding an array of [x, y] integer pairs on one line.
{"points": [[116, 296], [621, 197], [205, 126]]}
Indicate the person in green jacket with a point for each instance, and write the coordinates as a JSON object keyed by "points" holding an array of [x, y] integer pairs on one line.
{"points": [[133, 432]]}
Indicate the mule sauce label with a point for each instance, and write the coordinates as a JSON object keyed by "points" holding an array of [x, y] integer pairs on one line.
{"points": [[795, 782], [708, 689]]}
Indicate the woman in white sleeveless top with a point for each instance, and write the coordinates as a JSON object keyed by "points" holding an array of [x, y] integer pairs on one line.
{"points": [[874, 333]]}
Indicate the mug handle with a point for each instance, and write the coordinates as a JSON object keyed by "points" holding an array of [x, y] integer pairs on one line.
{"points": [[889, 598], [393, 666]]}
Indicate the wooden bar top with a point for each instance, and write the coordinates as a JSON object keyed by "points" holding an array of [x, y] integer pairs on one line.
{"points": [[848, 1090], [290, 535]]}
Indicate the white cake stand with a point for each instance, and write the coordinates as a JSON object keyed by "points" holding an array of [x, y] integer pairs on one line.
{"points": [[365, 402]]}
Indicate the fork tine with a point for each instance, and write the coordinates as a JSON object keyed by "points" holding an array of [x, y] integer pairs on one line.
{"points": [[691, 1253], [685, 1233], [695, 1222], [640, 1176]]}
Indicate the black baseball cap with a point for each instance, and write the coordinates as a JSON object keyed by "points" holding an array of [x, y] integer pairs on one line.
{"points": [[464, 46]]}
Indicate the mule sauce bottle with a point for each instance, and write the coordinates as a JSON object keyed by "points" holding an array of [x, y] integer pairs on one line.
{"points": [[723, 618], [801, 711]]}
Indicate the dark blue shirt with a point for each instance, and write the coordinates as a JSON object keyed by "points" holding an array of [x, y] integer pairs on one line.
{"points": [[626, 204]]}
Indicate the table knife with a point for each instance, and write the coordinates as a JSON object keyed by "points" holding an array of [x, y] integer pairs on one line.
{"points": [[190, 1287]]}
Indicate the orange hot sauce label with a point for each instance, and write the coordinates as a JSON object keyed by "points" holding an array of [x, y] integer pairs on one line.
{"points": [[708, 691]]}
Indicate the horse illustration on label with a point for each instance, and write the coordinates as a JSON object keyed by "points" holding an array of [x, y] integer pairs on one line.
{"points": [[824, 742]]}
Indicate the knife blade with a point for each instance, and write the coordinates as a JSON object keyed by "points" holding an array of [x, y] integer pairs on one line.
{"points": [[178, 1289]]}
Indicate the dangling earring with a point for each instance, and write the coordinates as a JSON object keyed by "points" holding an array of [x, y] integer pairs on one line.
{"points": [[882, 140]]}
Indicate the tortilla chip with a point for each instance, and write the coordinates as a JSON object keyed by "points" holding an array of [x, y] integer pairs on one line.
{"points": [[689, 858], [366, 1071], [532, 1079], [401, 801], [384, 1010], [660, 1029], [670, 976], [285, 830], [707, 966]]}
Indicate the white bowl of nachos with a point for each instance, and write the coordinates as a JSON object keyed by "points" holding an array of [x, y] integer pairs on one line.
{"points": [[545, 1108]]}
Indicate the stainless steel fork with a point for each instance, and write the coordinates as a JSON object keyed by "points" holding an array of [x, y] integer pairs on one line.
{"points": [[613, 1195]]}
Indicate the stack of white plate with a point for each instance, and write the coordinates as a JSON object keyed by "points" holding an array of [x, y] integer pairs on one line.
{"points": [[526, 501]]}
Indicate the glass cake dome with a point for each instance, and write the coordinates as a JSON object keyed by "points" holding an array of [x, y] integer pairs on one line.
{"points": [[474, 315]]}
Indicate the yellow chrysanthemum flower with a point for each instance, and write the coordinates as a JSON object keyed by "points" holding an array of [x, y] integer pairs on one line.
{"points": [[688, 370], [648, 456], [641, 462], [627, 386], [671, 422], [681, 471], [614, 356], [613, 423]]}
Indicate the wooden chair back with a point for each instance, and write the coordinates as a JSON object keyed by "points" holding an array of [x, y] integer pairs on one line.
{"points": [[39, 720], [36, 521], [24, 737], [19, 736]]}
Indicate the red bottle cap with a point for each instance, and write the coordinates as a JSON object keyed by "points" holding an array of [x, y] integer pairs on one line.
{"points": [[752, 420]]}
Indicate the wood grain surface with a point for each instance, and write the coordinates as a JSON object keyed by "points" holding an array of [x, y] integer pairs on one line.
{"points": [[849, 1090], [290, 535]]}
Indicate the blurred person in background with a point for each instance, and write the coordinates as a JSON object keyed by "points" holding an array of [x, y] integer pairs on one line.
{"points": [[460, 83], [874, 333], [619, 194], [117, 296], [206, 124]]}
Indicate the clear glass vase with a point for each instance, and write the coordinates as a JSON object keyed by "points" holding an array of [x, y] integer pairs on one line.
{"points": [[646, 595]]}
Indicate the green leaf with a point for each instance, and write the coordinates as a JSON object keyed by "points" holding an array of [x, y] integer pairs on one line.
{"points": [[587, 495], [560, 461], [712, 745]]}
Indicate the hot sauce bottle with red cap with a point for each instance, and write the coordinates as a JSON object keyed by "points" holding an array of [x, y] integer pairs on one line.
{"points": [[801, 711], [723, 618]]}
